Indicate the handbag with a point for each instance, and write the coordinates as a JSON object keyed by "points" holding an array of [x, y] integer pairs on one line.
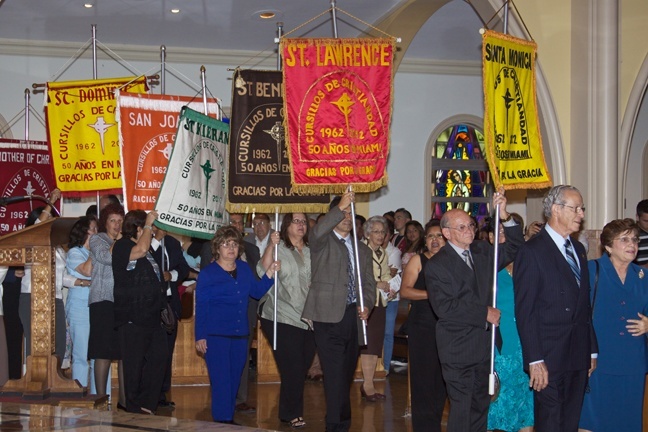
{"points": [[168, 318]]}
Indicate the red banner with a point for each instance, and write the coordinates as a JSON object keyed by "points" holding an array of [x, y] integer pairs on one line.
{"points": [[147, 130], [26, 170], [338, 97]]}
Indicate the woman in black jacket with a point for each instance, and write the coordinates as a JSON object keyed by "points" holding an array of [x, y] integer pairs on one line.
{"points": [[139, 297]]}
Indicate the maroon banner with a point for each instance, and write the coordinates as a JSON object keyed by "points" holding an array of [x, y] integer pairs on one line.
{"points": [[26, 170]]}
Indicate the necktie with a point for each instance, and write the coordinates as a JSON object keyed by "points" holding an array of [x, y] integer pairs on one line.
{"points": [[351, 298], [468, 259], [571, 260]]}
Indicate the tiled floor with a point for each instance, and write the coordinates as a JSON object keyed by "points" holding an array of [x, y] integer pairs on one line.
{"points": [[193, 412]]}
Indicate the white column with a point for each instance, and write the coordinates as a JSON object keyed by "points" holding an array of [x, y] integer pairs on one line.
{"points": [[604, 179]]}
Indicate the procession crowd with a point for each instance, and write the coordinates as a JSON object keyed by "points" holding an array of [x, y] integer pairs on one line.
{"points": [[570, 351]]}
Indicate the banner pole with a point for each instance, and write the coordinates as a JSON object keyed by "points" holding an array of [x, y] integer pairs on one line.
{"points": [[276, 284], [356, 257], [491, 376], [27, 114], [204, 88], [334, 18], [279, 34], [162, 69], [94, 51]]}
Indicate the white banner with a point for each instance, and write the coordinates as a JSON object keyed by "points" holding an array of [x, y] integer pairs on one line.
{"points": [[192, 197]]}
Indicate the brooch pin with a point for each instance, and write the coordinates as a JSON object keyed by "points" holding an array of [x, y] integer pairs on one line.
{"points": [[641, 274]]}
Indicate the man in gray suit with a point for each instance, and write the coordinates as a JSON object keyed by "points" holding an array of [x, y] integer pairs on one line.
{"points": [[332, 306], [459, 282]]}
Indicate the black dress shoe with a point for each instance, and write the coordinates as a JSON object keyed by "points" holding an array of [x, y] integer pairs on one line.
{"points": [[120, 407], [166, 404], [232, 422]]}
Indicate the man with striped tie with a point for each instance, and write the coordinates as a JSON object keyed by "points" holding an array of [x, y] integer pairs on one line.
{"points": [[553, 314]]}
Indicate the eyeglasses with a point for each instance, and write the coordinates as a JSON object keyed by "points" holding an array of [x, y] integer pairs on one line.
{"points": [[259, 223], [383, 232], [438, 235], [462, 228], [577, 209], [628, 240], [236, 223], [230, 245], [299, 221]]}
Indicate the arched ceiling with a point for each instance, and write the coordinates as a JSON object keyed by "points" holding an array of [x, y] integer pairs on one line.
{"points": [[429, 29]]}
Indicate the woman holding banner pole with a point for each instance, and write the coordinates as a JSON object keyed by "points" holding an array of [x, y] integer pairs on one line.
{"points": [[295, 343]]}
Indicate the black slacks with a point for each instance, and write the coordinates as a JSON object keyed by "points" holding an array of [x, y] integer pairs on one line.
{"points": [[294, 355], [144, 356], [427, 386], [13, 326], [171, 340], [337, 346], [557, 408], [467, 386]]}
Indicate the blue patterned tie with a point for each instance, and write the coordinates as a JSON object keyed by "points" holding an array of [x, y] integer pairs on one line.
{"points": [[571, 259], [351, 298]]}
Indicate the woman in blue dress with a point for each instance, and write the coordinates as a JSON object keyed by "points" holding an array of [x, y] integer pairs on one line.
{"points": [[513, 409], [614, 401]]}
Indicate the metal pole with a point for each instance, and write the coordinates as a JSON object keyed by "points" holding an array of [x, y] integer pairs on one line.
{"points": [[491, 376], [204, 88], [279, 34], [94, 76], [276, 286], [162, 69], [506, 13], [27, 94], [356, 256], [94, 51], [334, 17]]}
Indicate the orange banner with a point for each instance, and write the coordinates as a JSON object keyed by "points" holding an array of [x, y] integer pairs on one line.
{"points": [[147, 131], [338, 97], [83, 133]]}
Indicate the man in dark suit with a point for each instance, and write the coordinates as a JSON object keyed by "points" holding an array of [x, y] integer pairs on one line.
{"points": [[250, 255], [459, 280], [552, 309], [175, 270], [333, 306]]}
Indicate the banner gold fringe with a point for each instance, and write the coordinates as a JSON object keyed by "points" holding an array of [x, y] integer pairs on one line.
{"points": [[270, 208], [340, 188]]}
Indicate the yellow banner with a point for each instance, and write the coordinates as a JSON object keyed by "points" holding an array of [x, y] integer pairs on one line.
{"points": [[511, 127], [83, 133]]}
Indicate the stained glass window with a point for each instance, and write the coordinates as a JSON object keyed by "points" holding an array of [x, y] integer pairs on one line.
{"points": [[460, 177]]}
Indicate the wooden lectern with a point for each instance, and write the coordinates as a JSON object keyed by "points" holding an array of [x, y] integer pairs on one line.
{"points": [[36, 246]]}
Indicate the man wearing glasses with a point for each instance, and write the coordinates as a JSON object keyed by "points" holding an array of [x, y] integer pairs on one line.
{"points": [[262, 231], [553, 314], [459, 280]]}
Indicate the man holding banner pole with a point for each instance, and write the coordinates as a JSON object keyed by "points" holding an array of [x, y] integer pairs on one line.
{"points": [[332, 305], [459, 280]]}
